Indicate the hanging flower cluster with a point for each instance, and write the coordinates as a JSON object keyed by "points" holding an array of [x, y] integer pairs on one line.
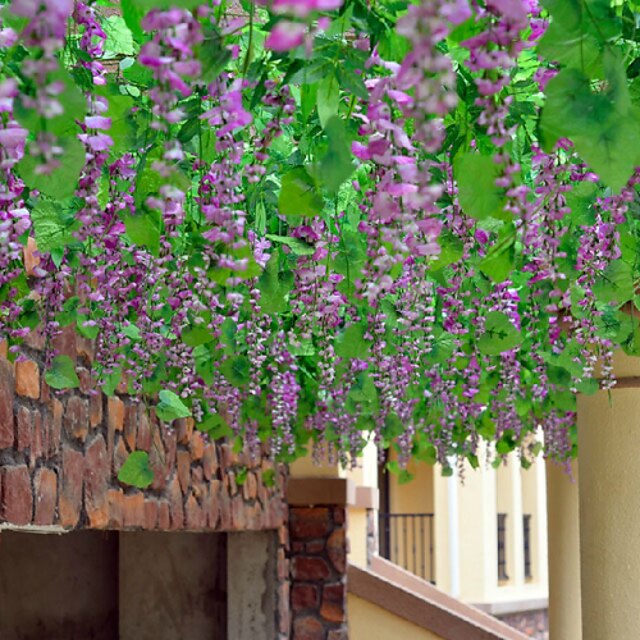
{"points": [[315, 223]]}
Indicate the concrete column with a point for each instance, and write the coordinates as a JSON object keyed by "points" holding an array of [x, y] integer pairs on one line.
{"points": [[540, 555], [565, 622], [516, 539], [252, 585], [478, 533], [609, 440]]}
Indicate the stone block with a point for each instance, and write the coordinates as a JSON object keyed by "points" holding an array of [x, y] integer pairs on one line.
{"points": [[7, 389], [97, 476], [45, 484], [210, 461], [184, 469], [16, 501], [115, 501], [115, 414], [310, 569], [308, 628], [196, 446], [131, 425], [24, 424], [333, 606], [337, 550], [55, 426], [28, 379], [76, 418], [133, 510], [150, 514], [71, 489], [304, 596]]}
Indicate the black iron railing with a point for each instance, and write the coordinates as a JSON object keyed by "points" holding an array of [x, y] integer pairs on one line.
{"points": [[502, 547], [526, 526], [406, 539]]}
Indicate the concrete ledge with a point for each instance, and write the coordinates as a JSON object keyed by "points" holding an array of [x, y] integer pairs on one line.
{"points": [[513, 606], [367, 498], [404, 595], [309, 492], [33, 528]]}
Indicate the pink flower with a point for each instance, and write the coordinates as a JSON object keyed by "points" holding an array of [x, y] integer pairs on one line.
{"points": [[97, 122], [457, 12], [99, 142], [13, 137], [303, 8], [285, 35], [513, 9]]}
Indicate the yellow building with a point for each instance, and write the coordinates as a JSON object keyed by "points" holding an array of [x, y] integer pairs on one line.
{"points": [[481, 539]]}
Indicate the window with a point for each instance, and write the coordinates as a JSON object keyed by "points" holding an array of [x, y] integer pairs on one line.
{"points": [[502, 547], [526, 525]]}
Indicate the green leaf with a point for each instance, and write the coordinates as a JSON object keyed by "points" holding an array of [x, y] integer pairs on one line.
{"points": [[122, 129], [499, 336], [616, 285], [62, 374], [236, 370], [570, 107], [298, 247], [499, 261], [133, 14], [74, 107], [196, 335], [299, 195], [119, 37], [477, 192], [53, 228], [451, 250], [274, 286], [136, 470], [144, 230], [62, 182], [570, 47], [336, 165], [610, 148], [213, 54], [171, 407], [328, 98], [352, 342], [443, 347]]}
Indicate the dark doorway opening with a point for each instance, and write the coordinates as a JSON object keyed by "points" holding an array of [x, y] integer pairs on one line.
{"points": [[113, 586]]}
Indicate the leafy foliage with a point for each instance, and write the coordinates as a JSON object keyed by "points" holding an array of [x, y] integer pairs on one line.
{"points": [[302, 228]]}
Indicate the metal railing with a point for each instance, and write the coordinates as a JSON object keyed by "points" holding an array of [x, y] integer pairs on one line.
{"points": [[406, 539], [502, 547]]}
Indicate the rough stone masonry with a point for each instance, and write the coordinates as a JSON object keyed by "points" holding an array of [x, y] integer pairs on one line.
{"points": [[60, 453]]}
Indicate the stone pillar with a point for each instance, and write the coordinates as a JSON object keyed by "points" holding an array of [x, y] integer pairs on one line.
{"points": [[565, 622], [609, 441], [318, 556], [318, 572]]}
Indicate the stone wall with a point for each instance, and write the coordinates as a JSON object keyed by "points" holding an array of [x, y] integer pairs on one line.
{"points": [[534, 624], [318, 551], [60, 454]]}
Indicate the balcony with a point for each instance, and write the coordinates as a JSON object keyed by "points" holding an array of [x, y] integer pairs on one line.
{"points": [[406, 539]]}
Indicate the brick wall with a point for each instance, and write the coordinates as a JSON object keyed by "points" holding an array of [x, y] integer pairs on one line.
{"points": [[318, 551]]}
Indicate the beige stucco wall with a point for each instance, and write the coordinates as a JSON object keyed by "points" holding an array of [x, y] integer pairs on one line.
{"points": [[357, 536], [369, 622], [478, 533], [610, 508]]}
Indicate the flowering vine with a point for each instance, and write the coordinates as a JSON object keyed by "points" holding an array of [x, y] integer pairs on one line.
{"points": [[310, 224]]}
